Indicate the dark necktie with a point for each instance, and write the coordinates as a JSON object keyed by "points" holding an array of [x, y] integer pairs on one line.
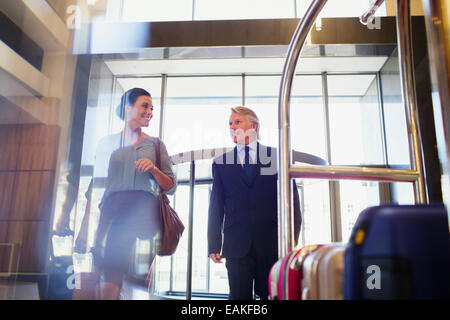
{"points": [[248, 168]]}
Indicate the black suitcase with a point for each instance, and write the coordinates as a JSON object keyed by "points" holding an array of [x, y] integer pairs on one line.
{"points": [[399, 252]]}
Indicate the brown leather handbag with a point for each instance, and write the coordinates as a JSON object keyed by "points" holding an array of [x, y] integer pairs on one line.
{"points": [[171, 226]]}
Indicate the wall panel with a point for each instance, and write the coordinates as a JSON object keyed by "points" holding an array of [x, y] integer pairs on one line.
{"points": [[28, 155]]}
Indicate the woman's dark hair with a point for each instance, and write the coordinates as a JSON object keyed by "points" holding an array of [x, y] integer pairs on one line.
{"points": [[129, 98]]}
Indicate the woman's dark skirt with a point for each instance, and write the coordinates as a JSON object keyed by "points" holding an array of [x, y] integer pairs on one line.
{"points": [[132, 215]]}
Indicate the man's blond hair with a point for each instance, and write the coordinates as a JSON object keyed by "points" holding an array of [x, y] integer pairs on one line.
{"points": [[250, 114]]}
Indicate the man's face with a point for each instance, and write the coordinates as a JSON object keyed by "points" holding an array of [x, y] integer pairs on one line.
{"points": [[241, 130]]}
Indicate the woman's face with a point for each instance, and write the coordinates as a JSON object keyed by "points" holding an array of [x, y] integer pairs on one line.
{"points": [[142, 111]]}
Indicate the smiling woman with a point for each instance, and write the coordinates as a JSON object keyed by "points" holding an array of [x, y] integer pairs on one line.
{"points": [[130, 206], [140, 113]]}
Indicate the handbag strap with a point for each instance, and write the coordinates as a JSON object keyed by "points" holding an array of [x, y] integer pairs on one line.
{"points": [[158, 158], [157, 153]]}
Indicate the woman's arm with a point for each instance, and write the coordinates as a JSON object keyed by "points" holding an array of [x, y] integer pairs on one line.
{"points": [[163, 180]]}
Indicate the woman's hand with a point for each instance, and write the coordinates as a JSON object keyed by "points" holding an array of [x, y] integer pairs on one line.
{"points": [[145, 165]]}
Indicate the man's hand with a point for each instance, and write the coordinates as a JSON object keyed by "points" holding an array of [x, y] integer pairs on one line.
{"points": [[216, 257]]}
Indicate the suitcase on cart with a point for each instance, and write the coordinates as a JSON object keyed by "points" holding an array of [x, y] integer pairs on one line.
{"points": [[274, 276], [285, 278], [322, 273], [399, 252]]}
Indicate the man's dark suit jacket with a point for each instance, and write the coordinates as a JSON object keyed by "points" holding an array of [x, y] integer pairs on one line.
{"points": [[242, 211]]}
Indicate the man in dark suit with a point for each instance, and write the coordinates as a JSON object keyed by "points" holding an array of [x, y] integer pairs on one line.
{"points": [[242, 218]]}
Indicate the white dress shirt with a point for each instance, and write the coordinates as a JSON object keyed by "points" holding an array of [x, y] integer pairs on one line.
{"points": [[252, 152]]}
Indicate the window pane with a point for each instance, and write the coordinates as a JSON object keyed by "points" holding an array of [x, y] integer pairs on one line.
{"points": [[156, 10], [355, 197], [307, 116], [218, 278], [238, 9], [179, 258], [182, 171], [261, 95], [355, 125], [171, 272], [162, 272], [198, 110], [341, 8], [307, 124], [200, 245], [81, 203], [203, 169], [402, 193], [315, 201], [397, 144], [396, 133]]}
